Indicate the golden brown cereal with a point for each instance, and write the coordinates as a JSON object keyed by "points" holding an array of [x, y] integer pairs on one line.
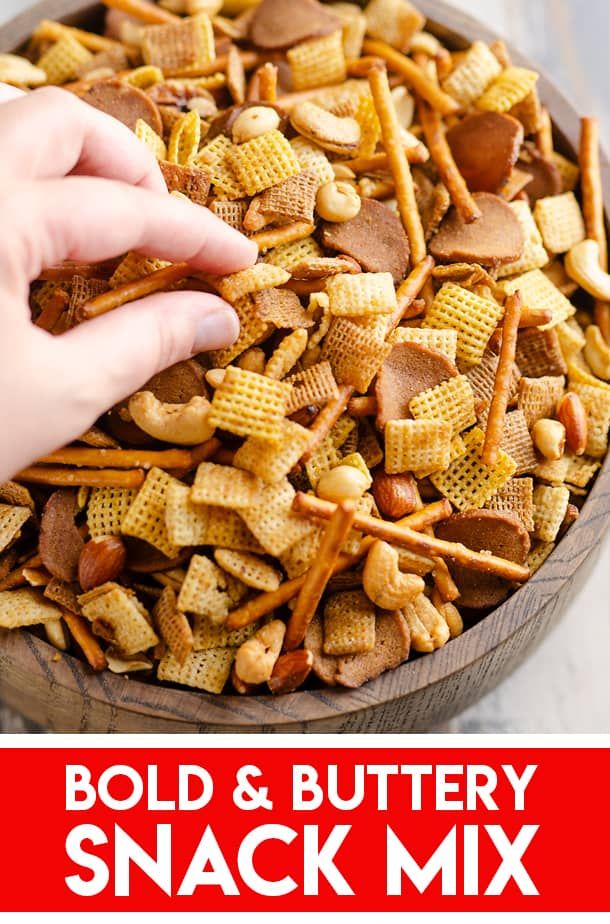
{"points": [[415, 445], [135, 266], [534, 256], [445, 341], [118, 616], [206, 635], [205, 590], [251, 570], [272, 521], [517, 496], [173, 626], [355, 353], [263, 162], [249, 281], [568, 170], [312, 159], [362, 295], [596, 402], [179, 47], [537, 291], [249, 404], [12, 519], [222, 486], [467, 482], [62, 61], [539, 553], [538, 396], [539, 353], [560, 222], [206, 670], [273, 461], [349, 624], [318, 62], [451, 401], [106, 510], [286, 354], [471, 77], [550, 505], [151, 139], [510, 87], [145, 519], [25, 608], [474, 318], [231, 212]]}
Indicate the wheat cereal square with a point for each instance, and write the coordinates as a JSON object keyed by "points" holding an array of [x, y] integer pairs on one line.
{"points": [[207, 670], [249, 404], [225, 486], [145, 519], [349, 623], [414, 445], [551, 504], [468, 482]]}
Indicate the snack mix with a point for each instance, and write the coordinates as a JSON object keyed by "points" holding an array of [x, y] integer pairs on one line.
{"points": [[419, 397]]}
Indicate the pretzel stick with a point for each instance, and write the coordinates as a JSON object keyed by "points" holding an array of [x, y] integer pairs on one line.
{"points": [[408, 291], [85, 477], [443, 582], [362, 407], [593, 206], [312, 506], [440, 152], [130, 291], [544, 135], [267, 82], [49, 30], [146, 12], [64, 272], [390, 133], [16, 578], [319, 574], [504, 371], [118, 458], [52, 311], [413, 75], [85, 639], [326, 419], [198, 454], [271, 600], [249, 59], [286, 234], [444, 63], [535, 317]]}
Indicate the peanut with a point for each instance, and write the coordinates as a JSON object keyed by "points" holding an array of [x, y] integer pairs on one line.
{"points": [[344, 482]]}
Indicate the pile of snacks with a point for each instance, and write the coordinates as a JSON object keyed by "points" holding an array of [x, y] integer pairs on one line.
{"points": [[418, 399]]}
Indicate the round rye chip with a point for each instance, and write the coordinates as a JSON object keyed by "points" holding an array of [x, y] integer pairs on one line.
{"points": [[280, 23], [545, 177], [125, 103], [485, 146], [375, 238], [500, 533], [494, 238], [409, 369], [60, 541]]}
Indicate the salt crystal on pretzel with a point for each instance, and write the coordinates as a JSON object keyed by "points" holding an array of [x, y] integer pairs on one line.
{"points": [[510, 87], [550, 505], [145, 519], [560, 222], [317, 62], [413, 445], [468, 482], [451, 401], [179, 47], [118, 616], [517, 496], [249, 404], [223, 486], [249, 569], [349, 624], [474, 318], [206, 670], [471, 77], [174, 628]]}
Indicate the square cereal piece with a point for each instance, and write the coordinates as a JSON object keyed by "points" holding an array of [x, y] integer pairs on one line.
{"points": [[145, 519], [538, 554], [273, 461], [355, 354], [186, 523], [413, 445], [17, 495], [533, 256], [106, 510], [560, 222], [325, 457], [154, 142], [393, 21], [63, 60], [580, 470], [510, 87], [468, 483], [289, 255], [349, 623], [552, 470], [227, 529], [569, 171], [370, 129], [517, 442], [193, 182], [363, 294], [539, 353], [451, 401], [273, 522], [538, 397], [596, 402], [299, 557], [550, 505], [473, 317], [286, 354], [249, 404], [263, 162], [313, 159], [456, 449], [353, 25], [249, 569], [224, 486], [571, 338], [369, 446], [11, 521], [293, 199], [205, 590], [64, 595], [282, 308], [180, 46], [444, 341], [25, 607], [135, 266], [173, 626], [118, 616], [356, 461], [206, 635], [232, 212], [251, 330], [249, 281], [517, 496], [470, 78], [537, 291], [81, 291], [205, 670], [317, 62]]}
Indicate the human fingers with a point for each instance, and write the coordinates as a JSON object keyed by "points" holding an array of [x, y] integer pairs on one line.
{"points": [[8, 93]]}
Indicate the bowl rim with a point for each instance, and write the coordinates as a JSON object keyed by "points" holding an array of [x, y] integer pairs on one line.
{"points": [[478, 642]]}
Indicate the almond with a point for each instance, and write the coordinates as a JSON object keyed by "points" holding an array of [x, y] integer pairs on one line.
{"points": [[573, 416], [101, 560], [395, 495], [290, 671]]}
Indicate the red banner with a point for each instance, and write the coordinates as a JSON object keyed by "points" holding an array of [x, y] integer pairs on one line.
{"points": [[354, 829]]}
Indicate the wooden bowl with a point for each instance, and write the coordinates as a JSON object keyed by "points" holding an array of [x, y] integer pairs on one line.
{"points": [[65, 696]]}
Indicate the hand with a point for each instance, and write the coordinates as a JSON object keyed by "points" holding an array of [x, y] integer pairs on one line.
{"points": [[76, 184]]}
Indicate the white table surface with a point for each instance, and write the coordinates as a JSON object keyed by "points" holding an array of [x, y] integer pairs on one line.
{"points": [[565, 685]]}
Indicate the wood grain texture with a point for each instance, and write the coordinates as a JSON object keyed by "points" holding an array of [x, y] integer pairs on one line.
{"points": [[64, 695]]}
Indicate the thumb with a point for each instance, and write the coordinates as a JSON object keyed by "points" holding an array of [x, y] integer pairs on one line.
{"points": [[107, 359]]}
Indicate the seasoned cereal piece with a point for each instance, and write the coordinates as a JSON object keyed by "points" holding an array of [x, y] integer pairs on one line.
{"points": [[206, 635], [539, 553], [186, 522], [249, 404], [596, 402], [118, 616], [538, 397], [470, 78], [12, 519], [231, 212], [25, 607], [355, 354], [193, 182], [451, 401], [510, 87], [444, 341], [474, 318], [560, 222], [250, 569], [151, 139], [273, 461], [312, 159], [468, 482], [145, 519], [251, 330], [205, 590], [550, 505], [106, 510], [317, 62], [180, 46], [174, 628], [273, 522], [349, 624], [537, 291], [539, 353], [250, 281], [135, 266], [263, 162], [206, 670], [223, 486], [413, 445], [517, 496], [362, 295], [534, 255], [63, 59], [393, 21]]}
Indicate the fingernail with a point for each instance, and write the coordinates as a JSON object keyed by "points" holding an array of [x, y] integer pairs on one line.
{"points": [[216, 330]]}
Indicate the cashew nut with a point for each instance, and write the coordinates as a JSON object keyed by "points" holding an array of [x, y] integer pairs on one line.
{"points": [[337, 201], [429, 629], [256, 658], [549, 438], [583, 266], [384, 583], [181, 424], [344, 482], [254, 121], [597, 352], [215, 377]]}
